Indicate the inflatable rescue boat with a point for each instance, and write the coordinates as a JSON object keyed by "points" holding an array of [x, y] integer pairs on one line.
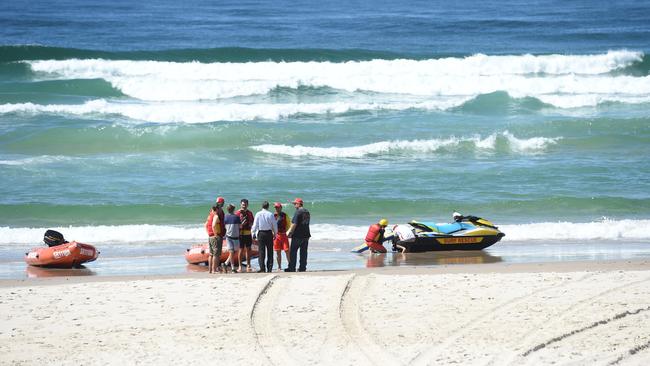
{"points": [[66, 255], [199, 253]]}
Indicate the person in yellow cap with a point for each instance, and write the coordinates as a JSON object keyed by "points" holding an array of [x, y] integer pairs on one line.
{"points": [[375, 236]]}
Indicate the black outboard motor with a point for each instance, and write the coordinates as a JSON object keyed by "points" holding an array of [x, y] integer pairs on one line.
{"points": [[53, 238]]}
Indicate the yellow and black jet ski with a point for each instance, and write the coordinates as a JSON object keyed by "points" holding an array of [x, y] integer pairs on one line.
{"points": [[466, 233]]}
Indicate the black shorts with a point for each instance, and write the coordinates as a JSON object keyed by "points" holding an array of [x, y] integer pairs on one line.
{"points": [[245, 241]]}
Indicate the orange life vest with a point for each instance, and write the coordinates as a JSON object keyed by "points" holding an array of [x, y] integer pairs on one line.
{"points": [[222, 226], [375, 234], [208, 224]]}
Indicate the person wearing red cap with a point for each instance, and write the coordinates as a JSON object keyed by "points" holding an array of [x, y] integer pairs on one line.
{"points": [[299, 234], [281, 241], [216, 231]]}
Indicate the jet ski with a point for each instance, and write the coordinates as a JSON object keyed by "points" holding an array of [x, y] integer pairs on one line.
{"points": [[465, 233]]}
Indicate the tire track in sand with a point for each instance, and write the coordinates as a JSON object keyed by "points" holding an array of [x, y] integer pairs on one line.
{"points": [[350, 316], [261, 324], [583, 329], [424, 356], [631, 352], [568, 313]]}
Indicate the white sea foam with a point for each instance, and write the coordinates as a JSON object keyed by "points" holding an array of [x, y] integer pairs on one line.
{"points": [[35, 160], [201, 112], [531, 145], [154, 233], [547, 77], [553, 231], [601, 230]]}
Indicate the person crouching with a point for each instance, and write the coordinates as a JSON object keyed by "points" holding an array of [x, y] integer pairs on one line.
{"points": [[375, 236]]}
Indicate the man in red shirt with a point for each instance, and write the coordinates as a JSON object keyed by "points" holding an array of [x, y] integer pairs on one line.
{"points": [[245, 237]]}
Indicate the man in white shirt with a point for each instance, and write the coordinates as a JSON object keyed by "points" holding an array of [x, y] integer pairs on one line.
{"points": [[405, 234], [264, 230]]}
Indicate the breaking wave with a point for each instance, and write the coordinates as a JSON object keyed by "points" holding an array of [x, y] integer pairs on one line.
{"points": [[565, 81], [489, 143], [553, 231]]}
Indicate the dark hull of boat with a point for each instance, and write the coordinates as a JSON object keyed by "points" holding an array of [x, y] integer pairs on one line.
{"points": [[445, 243]]}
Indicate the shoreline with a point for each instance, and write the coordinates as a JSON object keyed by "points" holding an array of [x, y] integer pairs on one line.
{"points": [[498, 267]]}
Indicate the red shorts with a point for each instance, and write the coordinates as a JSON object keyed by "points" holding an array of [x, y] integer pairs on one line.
{"points": [[376, 247], [281, 242]]}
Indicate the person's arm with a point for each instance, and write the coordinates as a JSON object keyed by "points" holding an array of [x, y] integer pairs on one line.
{"points": [[294, 222], [256, 223], [274, 223], [291, 229], [287, 221]]}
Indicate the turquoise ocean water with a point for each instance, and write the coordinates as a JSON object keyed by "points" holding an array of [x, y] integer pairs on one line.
{"points": [[121, 123]]}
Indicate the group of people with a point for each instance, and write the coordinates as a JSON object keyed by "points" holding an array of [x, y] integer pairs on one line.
{"points": [[401, 234], [271, 231]]}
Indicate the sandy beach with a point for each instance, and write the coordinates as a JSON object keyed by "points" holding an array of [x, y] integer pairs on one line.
{"points": [[490, 314]]}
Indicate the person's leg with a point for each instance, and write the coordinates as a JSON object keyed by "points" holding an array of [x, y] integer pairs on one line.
{"points": [[285, 247], [292, 258], [246, 244], [236, 252], [249, 265], [278, 258], [239, 255], [216, 261], [261, 257], [375, 247], [303, 255], [269, 249], [212, 246], [277, 248]]}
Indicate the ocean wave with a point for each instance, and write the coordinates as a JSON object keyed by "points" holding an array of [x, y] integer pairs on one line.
{"points": [[202, 112], [601, 230], [214, 111], [606, 229], [155, 233], [489, 143], [44, 159], [544, 77]]}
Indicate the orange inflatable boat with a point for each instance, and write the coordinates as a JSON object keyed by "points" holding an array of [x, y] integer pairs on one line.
{"points": [[66, 255], [199, 253]]}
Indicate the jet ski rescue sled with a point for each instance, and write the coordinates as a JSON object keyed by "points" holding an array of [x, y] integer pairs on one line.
{"points": [[467, 233]]}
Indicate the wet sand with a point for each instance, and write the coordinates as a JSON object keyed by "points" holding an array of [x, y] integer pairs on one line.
{"points": [[155, 260], [593, 312]]}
